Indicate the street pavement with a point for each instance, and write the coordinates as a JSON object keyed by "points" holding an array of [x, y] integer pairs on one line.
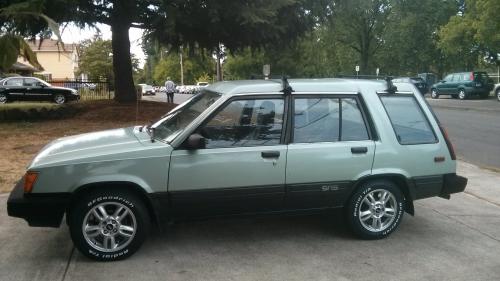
{"points": [[457, 239], [474, 128]]}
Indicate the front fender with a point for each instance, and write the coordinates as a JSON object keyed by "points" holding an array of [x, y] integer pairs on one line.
{"points": [[113, 178]]}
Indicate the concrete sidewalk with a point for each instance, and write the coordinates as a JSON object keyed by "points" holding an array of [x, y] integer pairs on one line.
{"points": [[457, 239]]}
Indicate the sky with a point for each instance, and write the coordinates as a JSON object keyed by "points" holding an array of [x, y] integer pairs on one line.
{"points": [[73, 34]]}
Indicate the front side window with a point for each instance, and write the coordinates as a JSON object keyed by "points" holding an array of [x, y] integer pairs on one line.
{"points": [[177, 120], [408, 120], [251, 122], [30, 82]]}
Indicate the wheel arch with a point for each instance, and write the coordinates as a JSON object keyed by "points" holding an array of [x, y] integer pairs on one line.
{"points": [[399, 180], [131, 187]]}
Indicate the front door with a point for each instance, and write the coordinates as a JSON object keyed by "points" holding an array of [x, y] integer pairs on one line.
{"points": [[330, 148], [242, 168], [33, 89]]}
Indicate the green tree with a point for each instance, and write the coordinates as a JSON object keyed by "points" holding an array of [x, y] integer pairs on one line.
{"points": [[195, 64], [473, 33], [360, 25], [95, 59], [17, 21]]}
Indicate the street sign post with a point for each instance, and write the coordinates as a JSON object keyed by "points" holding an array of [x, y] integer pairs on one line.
{"points": [[266, 71], [357, 71], [378, 71]]}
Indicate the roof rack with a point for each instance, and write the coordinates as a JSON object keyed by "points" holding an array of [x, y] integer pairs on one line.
{"points": [[287, 89], [391, 89]]}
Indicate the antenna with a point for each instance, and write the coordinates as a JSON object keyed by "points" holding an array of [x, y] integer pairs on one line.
{"points": [[287, 89], [391, 89]]}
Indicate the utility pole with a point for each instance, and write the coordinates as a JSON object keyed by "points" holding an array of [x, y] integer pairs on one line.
{"points": [[182, 67]]}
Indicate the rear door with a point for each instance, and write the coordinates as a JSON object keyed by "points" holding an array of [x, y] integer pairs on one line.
{"points": [[33, 90], [330, 148], [15, 88]]}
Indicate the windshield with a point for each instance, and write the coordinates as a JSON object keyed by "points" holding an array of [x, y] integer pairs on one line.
{"points": [[176, 121]]}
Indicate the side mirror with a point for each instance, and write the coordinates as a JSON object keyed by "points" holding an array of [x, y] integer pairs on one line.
{"points": [[41, 85], [195, 141]]}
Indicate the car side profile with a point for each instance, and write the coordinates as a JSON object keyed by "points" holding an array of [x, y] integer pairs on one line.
{"points": [[463, 85], [34, 89], [243, 148]]}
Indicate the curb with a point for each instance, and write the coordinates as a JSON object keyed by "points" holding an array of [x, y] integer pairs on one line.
{"points": [[465, 108]]}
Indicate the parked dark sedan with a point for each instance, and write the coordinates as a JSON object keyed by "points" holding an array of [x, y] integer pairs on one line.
{"points": [[417, 81], [34, 89]]}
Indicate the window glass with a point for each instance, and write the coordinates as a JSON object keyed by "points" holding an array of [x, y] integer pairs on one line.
{"points": [[353, 125], [408, 120], [30, 82], [245, 123], [14, 82], [177, 120], [316, 120]]}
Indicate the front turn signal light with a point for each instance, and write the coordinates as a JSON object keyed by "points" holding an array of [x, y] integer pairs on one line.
{"points": [[29, 181]]}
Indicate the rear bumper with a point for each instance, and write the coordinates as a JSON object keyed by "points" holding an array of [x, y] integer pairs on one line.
{"points": [[38, 209], [439, 185]]}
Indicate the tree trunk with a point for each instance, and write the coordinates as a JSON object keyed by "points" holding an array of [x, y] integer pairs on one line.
{"points": [[122, 63]]}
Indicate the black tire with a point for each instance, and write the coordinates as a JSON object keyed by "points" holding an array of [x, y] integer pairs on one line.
{"points": [[360, 221], [498, 94], [462, 95], [434, 94], [4, 98], [134, 212]]}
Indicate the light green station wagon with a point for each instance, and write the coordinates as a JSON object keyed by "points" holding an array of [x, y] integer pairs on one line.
{"points": [[242, 148]]}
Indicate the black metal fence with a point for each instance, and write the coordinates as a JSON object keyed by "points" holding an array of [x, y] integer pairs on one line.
{"points": [[88, 89]]}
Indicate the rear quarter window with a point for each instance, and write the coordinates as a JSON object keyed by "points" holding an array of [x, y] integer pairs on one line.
{"points": [[408, 120]]}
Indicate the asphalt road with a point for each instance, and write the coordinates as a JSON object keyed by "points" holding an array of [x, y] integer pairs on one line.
{"points": [[474, 128]]}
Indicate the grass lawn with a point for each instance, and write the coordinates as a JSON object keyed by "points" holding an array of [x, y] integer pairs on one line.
{"points": [[22, 140]]}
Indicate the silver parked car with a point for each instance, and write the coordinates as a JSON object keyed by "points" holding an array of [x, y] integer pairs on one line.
{"points": [[246, 147]]}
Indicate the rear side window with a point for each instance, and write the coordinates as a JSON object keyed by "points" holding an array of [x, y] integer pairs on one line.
{"points": [[408, 120], [328, 119]]}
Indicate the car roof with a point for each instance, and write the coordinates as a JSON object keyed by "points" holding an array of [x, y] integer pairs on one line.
{"points": [[298, 85]]}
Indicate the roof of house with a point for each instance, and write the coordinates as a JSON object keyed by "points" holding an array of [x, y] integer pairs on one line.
{"points": [[50, 45]]}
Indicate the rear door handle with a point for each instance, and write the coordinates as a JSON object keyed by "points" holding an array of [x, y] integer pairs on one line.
{"points": [[270, 154], [359, 150]]}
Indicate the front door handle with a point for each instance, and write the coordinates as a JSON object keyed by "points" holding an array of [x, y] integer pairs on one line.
{"points": [[270, 154], [359, 150]]}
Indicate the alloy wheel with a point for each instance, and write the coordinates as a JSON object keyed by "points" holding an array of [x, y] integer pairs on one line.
{"points": [[59, 99], [3, 98], [109, 227], [377, 210], [461, 94]]}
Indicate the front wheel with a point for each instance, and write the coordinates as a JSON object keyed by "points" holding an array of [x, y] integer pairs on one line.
{"points": [[434, 94], [109, 225], [498, 94], [376, 209]]}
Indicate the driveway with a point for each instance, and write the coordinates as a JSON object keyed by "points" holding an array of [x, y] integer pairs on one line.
{"points": [[457, 239]]}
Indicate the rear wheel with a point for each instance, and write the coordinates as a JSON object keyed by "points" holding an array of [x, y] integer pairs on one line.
{"points": [[498, 94], [461, 94], [376, 209], [3, 98], [109, 225], [59, 98], [434, 94]]}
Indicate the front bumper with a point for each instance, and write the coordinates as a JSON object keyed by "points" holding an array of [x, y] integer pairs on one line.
{"points": [[38, 209]]}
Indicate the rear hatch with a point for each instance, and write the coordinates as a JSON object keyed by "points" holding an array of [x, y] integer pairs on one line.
{"points": [[482, 80]]}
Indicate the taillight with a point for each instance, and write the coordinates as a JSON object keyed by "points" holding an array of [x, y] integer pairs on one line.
{"points": [[29, 181], [451, 149]]}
